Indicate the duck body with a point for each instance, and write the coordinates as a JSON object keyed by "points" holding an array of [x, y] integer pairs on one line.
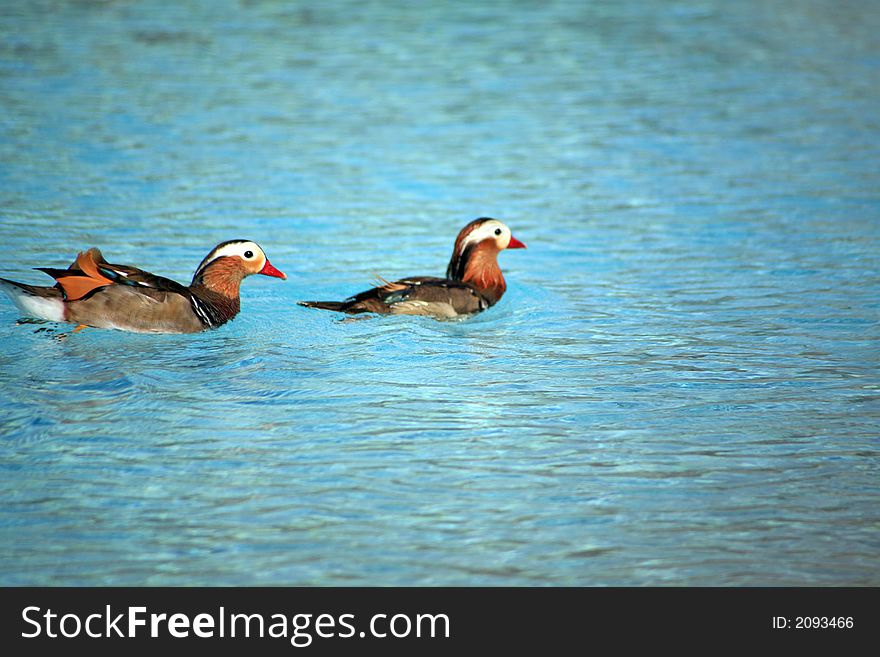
{"points": [[417, 295], [93, 292], [473, 281]]}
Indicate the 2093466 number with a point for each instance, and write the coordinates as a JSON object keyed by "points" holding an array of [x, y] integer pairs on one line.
{"points": [[822, 622]]}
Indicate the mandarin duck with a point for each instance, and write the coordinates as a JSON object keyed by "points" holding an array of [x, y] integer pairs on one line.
{"points": [[473, 280], [93, 292]]}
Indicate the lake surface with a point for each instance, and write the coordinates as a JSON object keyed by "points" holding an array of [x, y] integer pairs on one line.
{"points": [[681, 386]]}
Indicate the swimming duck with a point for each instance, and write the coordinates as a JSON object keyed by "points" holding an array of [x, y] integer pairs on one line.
{"points": [[473, 280], [93, 292]]}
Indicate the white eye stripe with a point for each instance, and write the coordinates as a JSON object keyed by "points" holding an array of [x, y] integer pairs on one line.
{"points": [[238, 249], [486, 231]]}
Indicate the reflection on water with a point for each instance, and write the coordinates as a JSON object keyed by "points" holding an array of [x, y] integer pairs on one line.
{"points": [[680, 386]]}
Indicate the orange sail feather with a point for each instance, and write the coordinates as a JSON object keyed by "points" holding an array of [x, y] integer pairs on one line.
{"points": [[75, 286]]}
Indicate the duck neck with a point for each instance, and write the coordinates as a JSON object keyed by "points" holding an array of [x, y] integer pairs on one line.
{"points": [[218, 285], [213, 308], [478, 266]]}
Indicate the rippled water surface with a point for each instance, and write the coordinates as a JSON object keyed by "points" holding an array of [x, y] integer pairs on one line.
{"points": [[680, 387]]}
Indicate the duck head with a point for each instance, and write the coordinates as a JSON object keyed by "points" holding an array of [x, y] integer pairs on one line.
{"points": [[475, 255], [229, 263]]}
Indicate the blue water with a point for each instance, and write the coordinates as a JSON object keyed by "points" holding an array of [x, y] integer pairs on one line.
{"points": [[681, 386]]}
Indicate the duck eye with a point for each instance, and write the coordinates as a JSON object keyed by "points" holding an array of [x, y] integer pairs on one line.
{"points": [[248, 254], [497, 231]]}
